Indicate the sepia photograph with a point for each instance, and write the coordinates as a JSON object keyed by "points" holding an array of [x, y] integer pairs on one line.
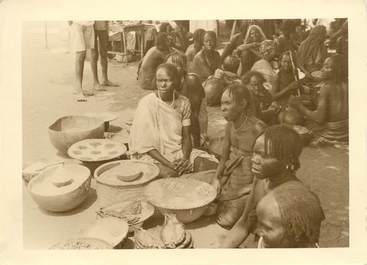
{"points": [[185, 134]]}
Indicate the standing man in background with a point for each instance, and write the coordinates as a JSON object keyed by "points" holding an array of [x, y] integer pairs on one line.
{"points": [[83, 39], [101, 46]]}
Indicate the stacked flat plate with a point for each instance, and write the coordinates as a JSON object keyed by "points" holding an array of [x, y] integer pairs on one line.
{"points": [[95, 150]]}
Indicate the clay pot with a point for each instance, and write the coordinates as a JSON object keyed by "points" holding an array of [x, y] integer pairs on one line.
{"points": [[214, 88], [290, 116]]}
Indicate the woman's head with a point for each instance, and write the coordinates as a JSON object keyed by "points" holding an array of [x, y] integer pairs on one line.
{"points": [[267, 49], [254, 80], [289, 216], [162, 42], [179, 60], [210, 40], [254, 34], [167, 80], [234, 102], [318, 34], [276, 152], [198, 38], [335, 68]]}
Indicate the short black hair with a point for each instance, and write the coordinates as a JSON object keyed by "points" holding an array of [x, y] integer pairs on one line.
{"points": [[239, 93], [283, 143], [172, 72]]}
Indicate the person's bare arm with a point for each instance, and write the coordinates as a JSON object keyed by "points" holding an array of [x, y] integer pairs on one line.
{"points": [[230, 47], [318, 115], [240, 230], [186, 142], [154, 153], [225, 154], [292, 86]]}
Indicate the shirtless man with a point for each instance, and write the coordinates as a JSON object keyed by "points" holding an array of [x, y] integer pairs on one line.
{"points": [[332, 108]]}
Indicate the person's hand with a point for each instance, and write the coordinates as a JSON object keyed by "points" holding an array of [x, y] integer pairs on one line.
{"points": [[216, 184], [219, 73], [182, 165], [295, 102]]}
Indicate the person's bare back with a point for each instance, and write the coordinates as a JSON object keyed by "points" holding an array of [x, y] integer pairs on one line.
{"points": [[337, 102]]}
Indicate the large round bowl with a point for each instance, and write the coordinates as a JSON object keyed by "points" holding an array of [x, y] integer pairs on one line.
{"points": [[65, 197], [185, 197], [68, 130], [112, 185]]}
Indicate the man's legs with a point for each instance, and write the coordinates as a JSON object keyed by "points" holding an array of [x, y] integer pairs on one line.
{"points": [[103, 43], [79, 67], [93, 64]]}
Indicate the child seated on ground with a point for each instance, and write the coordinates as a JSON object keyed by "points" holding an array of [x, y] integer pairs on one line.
{"points": [[289, 216], [275, 160], [234, 170]]}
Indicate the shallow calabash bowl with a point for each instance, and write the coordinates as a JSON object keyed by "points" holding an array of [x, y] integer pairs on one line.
{"points": [[68, 130]]}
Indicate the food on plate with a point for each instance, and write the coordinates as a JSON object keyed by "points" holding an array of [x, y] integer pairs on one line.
{"points": [[131, 212], [130, 177]]}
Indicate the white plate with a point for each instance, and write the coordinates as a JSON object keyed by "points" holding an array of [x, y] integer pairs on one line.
{"points": [[95, 150]]}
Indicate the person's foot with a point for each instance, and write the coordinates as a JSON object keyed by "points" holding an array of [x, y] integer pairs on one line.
{"points": [[79, 97], [108, 83], [98, 87], [88, 92]]}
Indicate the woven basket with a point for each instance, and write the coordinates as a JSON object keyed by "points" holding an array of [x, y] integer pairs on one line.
{"points": [[127, 191]]}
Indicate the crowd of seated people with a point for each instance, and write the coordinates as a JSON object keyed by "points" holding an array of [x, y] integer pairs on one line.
{"points": [[267, 86]]}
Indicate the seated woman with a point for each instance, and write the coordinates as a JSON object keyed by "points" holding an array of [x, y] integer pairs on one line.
{"points": [[195, 47], [248, 51], [160, 132], [331, 113], [289, 216], [234, 169], [192, 88], [154, 57], [261, 98], [275, 160], [208, 59], [267, 52], [285, 81], [312, 51]]}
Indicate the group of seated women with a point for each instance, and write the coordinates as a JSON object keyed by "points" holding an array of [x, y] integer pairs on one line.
{"points": [[258, 191]]}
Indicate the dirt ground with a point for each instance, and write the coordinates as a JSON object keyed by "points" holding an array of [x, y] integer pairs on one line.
{"points": [[47, 95]]}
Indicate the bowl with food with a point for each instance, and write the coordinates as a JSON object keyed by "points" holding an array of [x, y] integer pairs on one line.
{"points": [[66, 131], [186, 198], [60, 188], [123, 180], [134, 213], [82, 243]]}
